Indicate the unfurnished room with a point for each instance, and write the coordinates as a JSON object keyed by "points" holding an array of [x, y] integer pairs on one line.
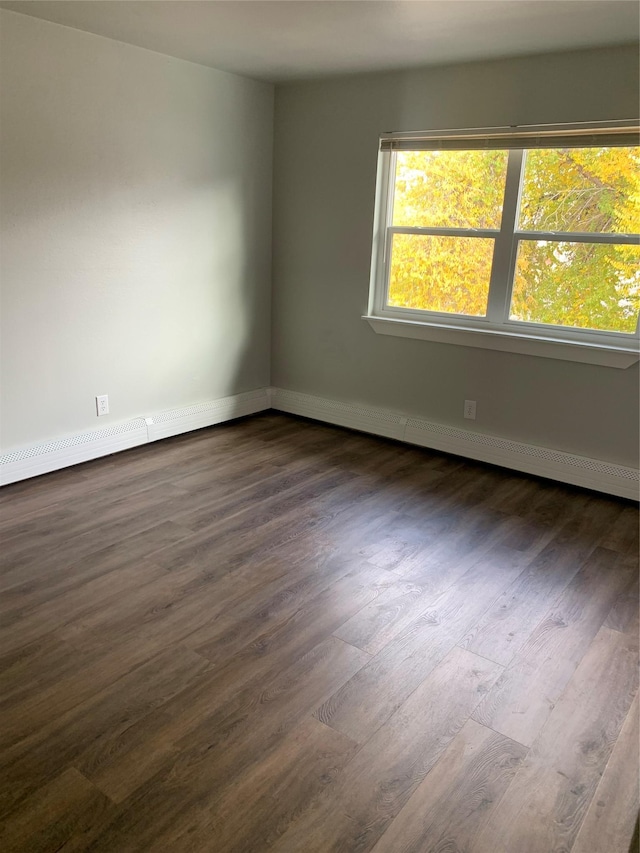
{"points": [[319, 422]]}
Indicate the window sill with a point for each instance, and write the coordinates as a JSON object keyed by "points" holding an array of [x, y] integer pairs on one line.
{"points": [[586, 353]]}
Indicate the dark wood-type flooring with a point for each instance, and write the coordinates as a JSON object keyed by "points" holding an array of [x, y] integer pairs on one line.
{"points": [[275, 635]]}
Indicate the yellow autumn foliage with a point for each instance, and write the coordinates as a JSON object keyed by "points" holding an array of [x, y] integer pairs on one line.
{"points": [[578, 284]]}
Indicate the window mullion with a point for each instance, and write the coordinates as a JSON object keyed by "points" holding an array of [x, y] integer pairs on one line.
{"points": [[383, 286], [611, 238], [501, 283], [385, 182], [443, 232]]}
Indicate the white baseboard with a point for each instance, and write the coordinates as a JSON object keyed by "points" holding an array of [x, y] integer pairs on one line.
{"points": [[43, 458], [53, 455], [532, 459], [207, 414]]}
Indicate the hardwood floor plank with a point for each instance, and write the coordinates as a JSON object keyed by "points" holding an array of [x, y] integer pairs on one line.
{"points": [[66, 806], [521, 700], [261, 660], [81, 538], [625, 611], [248, 638], [250, 533], [85, 733], [540, 501], [134, 756], [373, 626], [38, 525], [271, 496], [220, 742], [613, 812], [352, 813], [219, 615], [449, 551], [19, 500], [469, 488], [72, 673], [548, 799], [624, 534], [388, 550], [194, 454], [255, 810], [23, 597], [79, 519], [453, 803], [78, 603], [434, 569], [82, 549], [508, 623], [174, 605], [268, 703], [366, 702], [316, 610]]}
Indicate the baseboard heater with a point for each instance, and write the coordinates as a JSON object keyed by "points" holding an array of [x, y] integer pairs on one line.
{"points": [[532, 459]]}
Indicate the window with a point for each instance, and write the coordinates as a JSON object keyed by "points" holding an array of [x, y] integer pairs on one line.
{"points": [[522, 239]]}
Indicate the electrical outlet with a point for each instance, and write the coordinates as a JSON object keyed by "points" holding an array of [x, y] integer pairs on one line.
{"points": [[102, 405], [470, 409]]}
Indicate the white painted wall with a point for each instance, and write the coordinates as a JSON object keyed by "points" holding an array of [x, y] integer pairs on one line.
{"points": [[136, 231], [324, 185]]}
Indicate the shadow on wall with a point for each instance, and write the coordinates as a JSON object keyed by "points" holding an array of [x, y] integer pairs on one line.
{"points": [[136, 229]]}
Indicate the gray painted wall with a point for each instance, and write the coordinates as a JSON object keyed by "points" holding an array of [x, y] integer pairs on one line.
{"points": [[136, 231], [136, 240], [324, 183]]}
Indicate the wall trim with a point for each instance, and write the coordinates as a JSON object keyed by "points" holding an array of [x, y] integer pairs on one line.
{"points": [[207, 414], [82, 447], [532, 459], [508, 341]]}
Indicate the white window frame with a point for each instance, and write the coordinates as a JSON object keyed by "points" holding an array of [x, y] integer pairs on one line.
{"points": [[494, 331]]}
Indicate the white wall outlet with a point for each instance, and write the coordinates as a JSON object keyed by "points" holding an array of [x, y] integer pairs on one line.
{"points": [[102, 405], [470, 409]]}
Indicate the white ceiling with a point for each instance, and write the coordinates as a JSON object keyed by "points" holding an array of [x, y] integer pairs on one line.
{"points": [[279, 41]]}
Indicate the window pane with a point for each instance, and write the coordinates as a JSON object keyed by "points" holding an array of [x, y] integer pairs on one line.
{"points": [[449, 189], [584, 285], [449, 274], [581, 189]]}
